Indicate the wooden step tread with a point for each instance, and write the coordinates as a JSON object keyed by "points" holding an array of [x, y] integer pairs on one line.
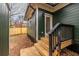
{"points": [[32, 51], [66, 53], [70, 53], [45, 46], [66, 43], [46, 41], [41, 50]]}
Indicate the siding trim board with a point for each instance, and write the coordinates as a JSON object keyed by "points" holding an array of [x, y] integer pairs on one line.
{"points": [[32, 14], [28, 13], [37, 24], [60, 6], [45, 11]]}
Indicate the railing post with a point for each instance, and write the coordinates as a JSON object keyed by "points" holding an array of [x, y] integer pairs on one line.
{"points": [[73, 36], [50, 44], [59, 41]]}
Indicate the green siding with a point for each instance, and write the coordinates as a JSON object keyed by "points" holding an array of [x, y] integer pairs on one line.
{"points": [[41, 22], [69, 15], [4, 30], [41, 25], [32, 27]]}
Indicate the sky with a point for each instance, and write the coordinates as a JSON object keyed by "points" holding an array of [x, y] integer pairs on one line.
{"points": [[17, 11]]}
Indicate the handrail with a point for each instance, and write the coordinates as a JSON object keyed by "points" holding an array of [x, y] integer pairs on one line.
{"points": [[54, 28], [57, 29], [50, 37]]}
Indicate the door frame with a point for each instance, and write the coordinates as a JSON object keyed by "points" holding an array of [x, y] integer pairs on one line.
{"points": [[51, 21]]}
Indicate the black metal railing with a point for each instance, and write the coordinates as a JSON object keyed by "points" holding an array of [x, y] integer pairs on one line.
{"points": [[59, 33]]}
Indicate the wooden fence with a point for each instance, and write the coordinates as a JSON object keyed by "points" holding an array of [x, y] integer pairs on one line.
{"points": [[16, 31]]}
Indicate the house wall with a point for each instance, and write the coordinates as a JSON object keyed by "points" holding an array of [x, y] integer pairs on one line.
{"points": [[69, 15], [31, 31], [4, 29], [41, 29], [41, 22]]}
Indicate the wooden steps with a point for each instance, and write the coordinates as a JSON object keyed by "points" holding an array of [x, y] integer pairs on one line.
{"points": [[41, 48], [66, 43], [32, 51], [44, 45], [68, 52]]}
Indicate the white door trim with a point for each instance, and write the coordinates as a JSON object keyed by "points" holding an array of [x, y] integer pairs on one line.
{"points": [[36, 24], [51, 20]]}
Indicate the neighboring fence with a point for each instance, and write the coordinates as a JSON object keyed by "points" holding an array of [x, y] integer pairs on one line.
{"points": [[16, 31]]}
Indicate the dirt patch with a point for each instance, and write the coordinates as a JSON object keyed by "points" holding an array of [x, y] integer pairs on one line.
{"points": [[18, 42]]}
